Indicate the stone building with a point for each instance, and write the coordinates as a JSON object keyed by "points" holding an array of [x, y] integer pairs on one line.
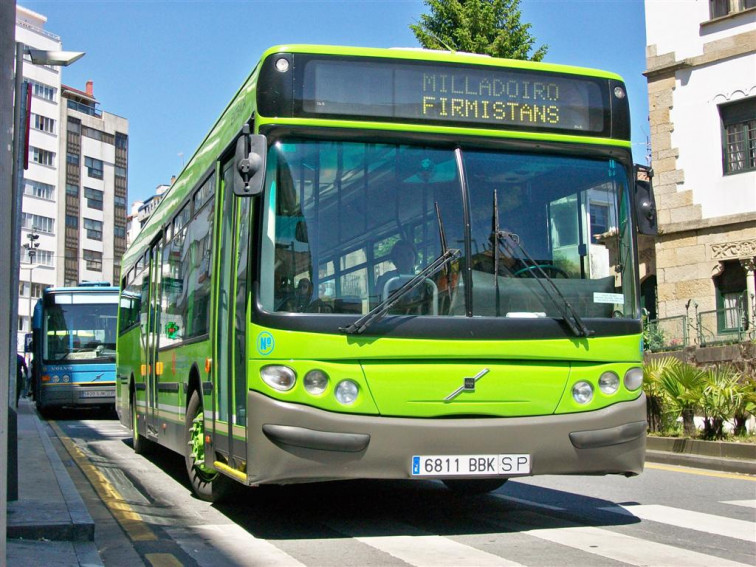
{"points": [[701, 71]]}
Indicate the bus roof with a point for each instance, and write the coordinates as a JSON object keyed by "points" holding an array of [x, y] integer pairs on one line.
{"points": [[419, 54], [84, 288]]}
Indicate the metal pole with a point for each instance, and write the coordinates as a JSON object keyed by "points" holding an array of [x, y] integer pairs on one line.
{"points": [[7, 168], [16, 201]]}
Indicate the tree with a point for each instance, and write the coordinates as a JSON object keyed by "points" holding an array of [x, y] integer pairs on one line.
{"points": [[490, 27]]}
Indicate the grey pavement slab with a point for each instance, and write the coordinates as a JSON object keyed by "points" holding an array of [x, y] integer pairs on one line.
{"points": [[49, 523]]}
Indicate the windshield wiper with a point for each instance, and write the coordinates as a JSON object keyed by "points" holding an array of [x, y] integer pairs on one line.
{"points": [[512, 243], [377, 312]]}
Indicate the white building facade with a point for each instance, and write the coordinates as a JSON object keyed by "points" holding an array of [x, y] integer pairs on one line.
{"points": [[40, 184], [701, 70], [75, 187]]}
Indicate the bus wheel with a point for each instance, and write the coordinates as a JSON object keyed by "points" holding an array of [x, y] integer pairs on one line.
{"points": [[138, 442], [207, 484], [481, 486]]}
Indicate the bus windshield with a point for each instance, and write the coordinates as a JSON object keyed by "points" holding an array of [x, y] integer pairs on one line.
{"points": [[347, 224], [80, 328]]}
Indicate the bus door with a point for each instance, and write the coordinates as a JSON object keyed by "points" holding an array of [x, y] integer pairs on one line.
{"points": [[152, 343], [229, 376]]}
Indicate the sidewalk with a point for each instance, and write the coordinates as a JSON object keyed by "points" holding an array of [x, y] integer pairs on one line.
{"points": [[48, 525]]}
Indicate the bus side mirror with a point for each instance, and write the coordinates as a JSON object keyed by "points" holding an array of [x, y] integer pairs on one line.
{"points": [[249, 164], [645, 204]]}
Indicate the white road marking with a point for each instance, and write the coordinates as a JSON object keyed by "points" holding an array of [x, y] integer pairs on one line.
{"points": [[699, 521], [419, 548], [744, 503], [631, 550]]}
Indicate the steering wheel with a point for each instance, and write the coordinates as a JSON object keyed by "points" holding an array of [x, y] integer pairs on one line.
{"points": [[550, 269], [319, 306]]}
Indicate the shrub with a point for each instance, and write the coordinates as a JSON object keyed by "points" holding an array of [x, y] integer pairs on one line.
{"points": [[682, 386], [747, 405], [722, 395], [658, 419]]}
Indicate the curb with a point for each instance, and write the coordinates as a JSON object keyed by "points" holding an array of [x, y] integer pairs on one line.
{"points": [[711, 455], [701, 462], [67, 521]]}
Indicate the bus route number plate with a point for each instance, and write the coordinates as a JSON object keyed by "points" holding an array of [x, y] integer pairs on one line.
{"points": [[470, 465]]}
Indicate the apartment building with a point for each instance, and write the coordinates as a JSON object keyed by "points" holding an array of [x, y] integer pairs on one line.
{"points": [[701, 71], [39, 218], [93, 183], [73, 225]]}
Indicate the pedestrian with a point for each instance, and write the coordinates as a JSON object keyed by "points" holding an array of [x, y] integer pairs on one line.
{"points": [[22, 375]]}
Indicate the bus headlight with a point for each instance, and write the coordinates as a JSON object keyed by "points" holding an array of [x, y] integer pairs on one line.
{"points": [[281, 378], [634, 378], [315, 382], [346, 392], [582, 392], [609, 383]]}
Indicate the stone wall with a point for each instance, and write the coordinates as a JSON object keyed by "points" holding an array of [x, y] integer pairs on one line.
{"points": [[742, 356]]}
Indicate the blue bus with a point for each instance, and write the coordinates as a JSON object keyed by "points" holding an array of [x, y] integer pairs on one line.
{"points": [[73, 345]]}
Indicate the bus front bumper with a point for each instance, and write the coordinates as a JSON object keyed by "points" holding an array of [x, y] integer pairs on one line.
{"points": [[290, 443], [70, 395]]}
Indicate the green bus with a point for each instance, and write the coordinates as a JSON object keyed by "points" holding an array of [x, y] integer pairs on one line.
{"points": [[394, 264]]}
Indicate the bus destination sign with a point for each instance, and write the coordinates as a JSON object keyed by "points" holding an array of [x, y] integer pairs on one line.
{"points": [[490, 96]]}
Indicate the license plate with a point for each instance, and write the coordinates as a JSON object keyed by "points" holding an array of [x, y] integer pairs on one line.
{"points": [[96, 394], [470, 465]]}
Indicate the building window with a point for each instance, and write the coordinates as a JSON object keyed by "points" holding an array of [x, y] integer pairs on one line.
{"points": [[93, 260], [721, 8], [72, 221], [74, 125], [94, 198], [38, 223], [43, 91], [121, 141], [41, 257], [98, 135], [39, 190], [23, 324], [42, 157], [120, 171], [119, 231], [739, 135], [93, 228], [71, 158], [731, 296], [94, 167], [43, 123], [119, 201], [72, 189], [37, 289]]}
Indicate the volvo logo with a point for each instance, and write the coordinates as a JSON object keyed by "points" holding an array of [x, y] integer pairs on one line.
{"points": [[467, 386]]}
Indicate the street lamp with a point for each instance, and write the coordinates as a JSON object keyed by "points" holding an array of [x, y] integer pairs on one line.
{"points": [[31, 251]]}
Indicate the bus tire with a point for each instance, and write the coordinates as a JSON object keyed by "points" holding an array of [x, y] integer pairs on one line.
{"points": [[138, 442], [208, 485], [474, 486]]}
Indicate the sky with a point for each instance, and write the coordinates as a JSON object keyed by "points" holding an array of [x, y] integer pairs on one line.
{"points": [[171, 66]]}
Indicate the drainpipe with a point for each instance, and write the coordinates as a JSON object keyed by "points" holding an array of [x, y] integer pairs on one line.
{"points": [[750, 268]]}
